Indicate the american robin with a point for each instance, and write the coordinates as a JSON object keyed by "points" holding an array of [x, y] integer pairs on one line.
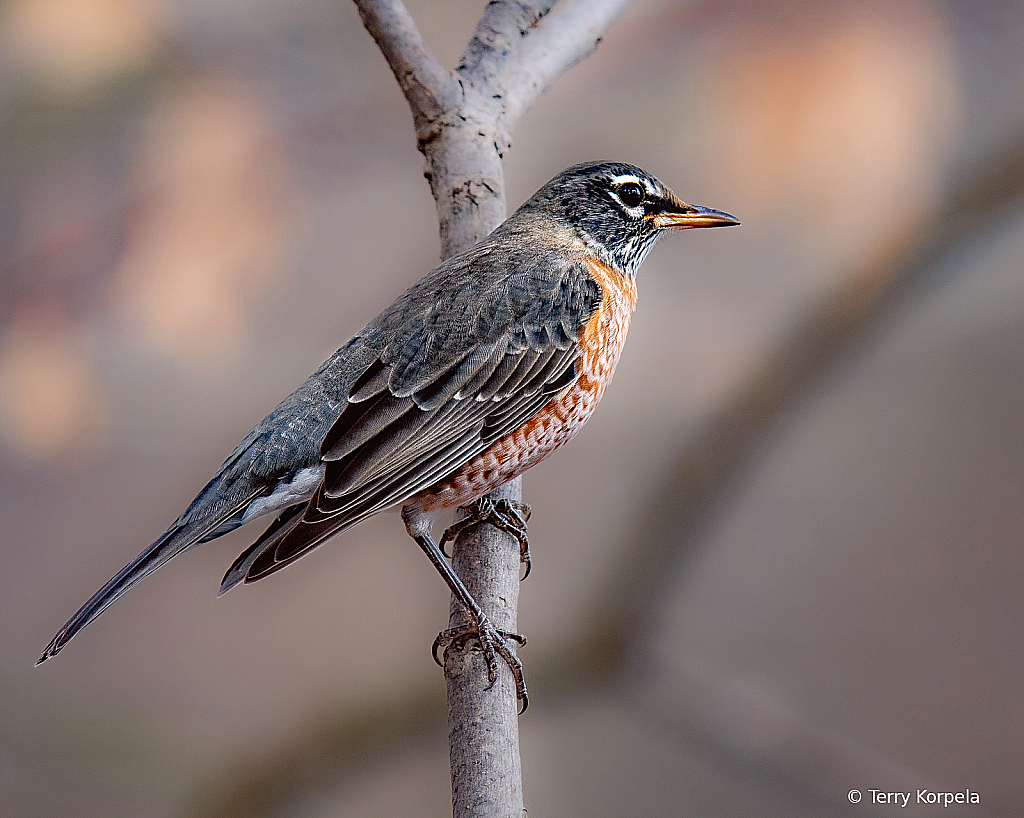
{"points": [[476, 373]]}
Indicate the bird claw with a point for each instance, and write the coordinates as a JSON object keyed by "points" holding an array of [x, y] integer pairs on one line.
{"points": [[509, 516], [493, 642]]}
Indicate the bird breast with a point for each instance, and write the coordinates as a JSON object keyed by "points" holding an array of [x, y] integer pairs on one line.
{"points": [[558, 422]]}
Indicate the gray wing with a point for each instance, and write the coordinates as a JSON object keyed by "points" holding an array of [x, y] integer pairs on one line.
{"points": [[469, 366]]}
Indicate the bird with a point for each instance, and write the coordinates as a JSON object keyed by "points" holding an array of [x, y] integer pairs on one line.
{"points": [[473, 375]]}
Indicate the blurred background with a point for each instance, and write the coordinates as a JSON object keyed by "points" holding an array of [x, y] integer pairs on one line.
{"points": [[783, 560]]}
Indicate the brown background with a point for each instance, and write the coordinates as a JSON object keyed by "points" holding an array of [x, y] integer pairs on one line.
{"points": [[200, 201]]}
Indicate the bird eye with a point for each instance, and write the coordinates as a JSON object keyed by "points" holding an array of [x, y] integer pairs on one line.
{"points": [[631, 194]]}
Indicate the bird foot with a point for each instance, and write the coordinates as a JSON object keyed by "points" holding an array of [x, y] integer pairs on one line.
{"points": [[493, 642], [509, 516]]}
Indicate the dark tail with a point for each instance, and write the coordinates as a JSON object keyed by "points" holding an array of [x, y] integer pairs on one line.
{"points": [[175, 540]]}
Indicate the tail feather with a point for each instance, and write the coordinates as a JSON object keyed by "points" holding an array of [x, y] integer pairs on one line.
{"points": [[287, 539], [172, 542], [178, 538]]}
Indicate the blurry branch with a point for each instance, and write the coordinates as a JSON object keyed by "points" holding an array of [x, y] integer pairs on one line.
{"points": [[888, 283], [916, 258], [772, 744]]}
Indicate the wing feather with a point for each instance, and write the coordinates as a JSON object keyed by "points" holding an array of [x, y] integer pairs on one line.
{"points": [[466, 370], [526, 362], [361, 462], [361, 423], [449, 383], [483, 375], [499, 377], [372, 382]]}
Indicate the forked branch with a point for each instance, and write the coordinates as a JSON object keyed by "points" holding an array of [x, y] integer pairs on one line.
{"points": [[516, 53]]}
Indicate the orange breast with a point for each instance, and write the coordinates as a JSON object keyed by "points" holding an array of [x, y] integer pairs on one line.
{"points": [[600, 342]]}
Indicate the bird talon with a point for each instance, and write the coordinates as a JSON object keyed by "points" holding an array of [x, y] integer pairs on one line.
{"points": [[524, 558], [518, 515], [518, 638], [522, 509], [509, 516], [493, 643]]}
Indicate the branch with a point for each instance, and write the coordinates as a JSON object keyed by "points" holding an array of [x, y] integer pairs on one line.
{"points": [[461, 122], [483, 725], [498, 35], [561, 40], [310, 761], [423, 80]]}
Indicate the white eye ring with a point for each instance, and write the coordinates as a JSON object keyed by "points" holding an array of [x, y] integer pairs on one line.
{"points": [[627, 180]]}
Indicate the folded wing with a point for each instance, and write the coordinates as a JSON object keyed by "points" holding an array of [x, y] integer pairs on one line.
{"points": [[439, 394]]}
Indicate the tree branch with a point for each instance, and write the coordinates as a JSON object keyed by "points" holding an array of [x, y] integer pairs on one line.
{"points": [[423, 80], [462, 125], [483, 725], [498, 35], [462, 122], [561, 40]]}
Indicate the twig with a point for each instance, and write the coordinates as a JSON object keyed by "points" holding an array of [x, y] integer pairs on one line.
{"points": [[561, 40], [422, 79]]}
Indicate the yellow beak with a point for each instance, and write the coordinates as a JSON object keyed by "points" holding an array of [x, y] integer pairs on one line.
{"points": [[693, 216]]}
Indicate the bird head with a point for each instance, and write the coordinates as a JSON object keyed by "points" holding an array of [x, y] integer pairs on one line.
{"points": [[619, 210]]}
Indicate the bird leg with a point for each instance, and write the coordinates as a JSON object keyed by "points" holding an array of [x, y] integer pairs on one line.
{"points": [[493, 642], [509, 516]]}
